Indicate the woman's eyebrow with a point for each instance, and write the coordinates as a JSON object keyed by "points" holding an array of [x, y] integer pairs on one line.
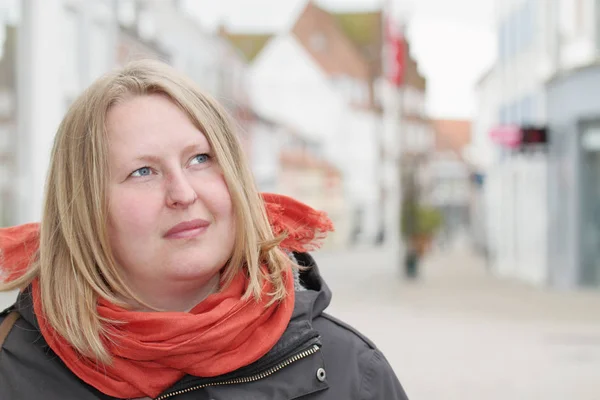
{"points": [[197, 147], [147, 158]]}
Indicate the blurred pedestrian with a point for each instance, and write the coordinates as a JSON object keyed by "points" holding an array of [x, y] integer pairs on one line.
{"points": [[411, 260], [158, 270]]}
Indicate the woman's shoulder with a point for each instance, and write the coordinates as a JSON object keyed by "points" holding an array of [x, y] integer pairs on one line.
{"points": [[26, 358], [343, 332], [359, 363], [344, 343]]}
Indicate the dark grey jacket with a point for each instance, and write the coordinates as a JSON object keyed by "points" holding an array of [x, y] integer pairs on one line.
{"points": [[318, 357]]}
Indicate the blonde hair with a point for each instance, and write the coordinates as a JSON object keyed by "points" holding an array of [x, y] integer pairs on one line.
{"points": [[75, 264]]}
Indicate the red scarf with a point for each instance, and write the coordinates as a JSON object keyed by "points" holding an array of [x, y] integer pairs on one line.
{"points": [[156, 349]]}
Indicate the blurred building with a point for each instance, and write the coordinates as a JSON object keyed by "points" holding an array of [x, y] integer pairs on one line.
{"points": [[284, 85], [287, 162], [317, 89], [347, 47], [136, 34], [210, 60], [291, 87], [315, 181], [324, 77], [573, 110], [418, 136], [62, 47], [447, 176], [8, 119], [515, 181], [481, 154], [416, 141], [540, 174]]}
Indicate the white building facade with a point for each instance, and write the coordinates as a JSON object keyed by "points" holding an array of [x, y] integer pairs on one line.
{"points": [[527, 215], [574, 122], [288, 88], [513, 202], [63, 46]]}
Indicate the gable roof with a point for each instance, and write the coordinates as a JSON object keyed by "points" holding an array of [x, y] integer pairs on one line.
{"points": [[337, 54], [248, 44], [365, 30]]}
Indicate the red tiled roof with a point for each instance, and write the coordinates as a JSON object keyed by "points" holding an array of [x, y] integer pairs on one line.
{"points": [[451, 135], [339, 55]]}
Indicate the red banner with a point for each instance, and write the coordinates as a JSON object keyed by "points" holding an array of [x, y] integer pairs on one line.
{"points": [[396, 53]]}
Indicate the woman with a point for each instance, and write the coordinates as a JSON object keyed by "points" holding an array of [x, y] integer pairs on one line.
{"points": [[158, 271]]}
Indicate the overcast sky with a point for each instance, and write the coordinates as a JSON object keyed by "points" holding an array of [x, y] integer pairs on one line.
{"points": [[452, 40]]}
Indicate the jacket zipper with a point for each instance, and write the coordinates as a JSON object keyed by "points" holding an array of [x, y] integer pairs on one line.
{"points": [[253, 378]]}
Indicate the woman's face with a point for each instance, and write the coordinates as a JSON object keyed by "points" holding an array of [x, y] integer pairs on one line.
{"points": [[171, 221]]}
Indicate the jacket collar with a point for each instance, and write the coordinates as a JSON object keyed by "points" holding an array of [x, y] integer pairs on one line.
{"points": [[24, 307], [299, 334]]}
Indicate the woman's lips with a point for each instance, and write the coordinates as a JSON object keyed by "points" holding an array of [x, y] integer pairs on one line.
{"points": [[187, 229]]}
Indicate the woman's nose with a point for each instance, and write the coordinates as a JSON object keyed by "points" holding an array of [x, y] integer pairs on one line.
{"points": [[180, 192]]}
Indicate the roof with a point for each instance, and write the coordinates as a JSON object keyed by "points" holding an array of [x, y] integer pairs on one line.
{"points": [[453, 135], [248, 44], [365, 30], [334, 51]]}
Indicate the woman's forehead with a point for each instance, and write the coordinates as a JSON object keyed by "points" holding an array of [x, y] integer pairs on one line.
{"points": [[149, 121]]}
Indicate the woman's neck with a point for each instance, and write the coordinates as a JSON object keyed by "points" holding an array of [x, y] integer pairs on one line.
{"points": [[177, 296]]}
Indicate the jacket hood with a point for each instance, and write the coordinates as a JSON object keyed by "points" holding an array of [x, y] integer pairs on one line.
{"points": [[316, 298]]}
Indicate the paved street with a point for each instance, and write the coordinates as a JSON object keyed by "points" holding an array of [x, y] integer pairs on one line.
{"points": [[458, 334]]}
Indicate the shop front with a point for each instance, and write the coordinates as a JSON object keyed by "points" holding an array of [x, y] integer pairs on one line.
{"points": [[574, 187]]}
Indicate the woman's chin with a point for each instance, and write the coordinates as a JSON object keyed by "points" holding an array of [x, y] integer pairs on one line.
{"points": [[192, 270]]}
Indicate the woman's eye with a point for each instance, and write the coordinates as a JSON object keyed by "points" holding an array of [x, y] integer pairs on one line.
{"points": [[200, 159], [144, 171]]}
